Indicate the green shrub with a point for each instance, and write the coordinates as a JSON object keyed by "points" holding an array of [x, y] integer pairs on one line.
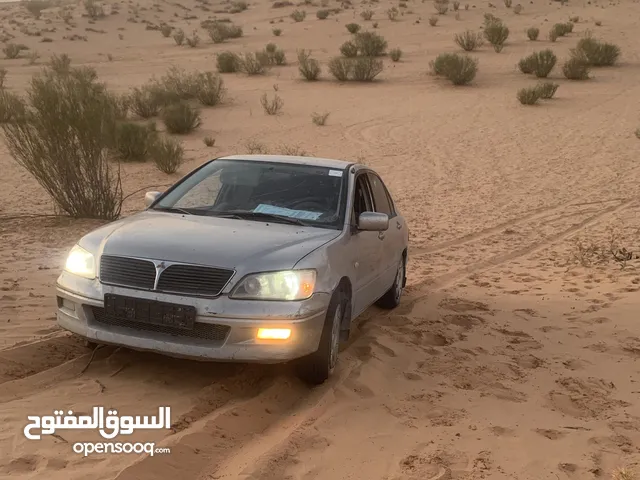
{"points": [[395, 54], [277, 32], [547, 89], [35, 7], [133, 141], [3, 76], [469, 40], [277, 57], [576, 68], [533, 33], [496, 33], [308, 67], [319, 119], [370, 44], [12, 107], [144, 102], [227, 62], [596, 53], [209, 89], [366, 14], [543, 63], [298, 15], [322, 14], [353, 27], [166, 30], [254, 63], [526, 64], [221, 31], [180, 118], [349, 49], [178, 37], [365, 69], [458, 69], [528, 96], [12, 50], [341, 68], [168, 154]]}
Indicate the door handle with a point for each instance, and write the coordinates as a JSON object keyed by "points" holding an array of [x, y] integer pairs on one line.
{"points": [[381, 235], [398, 225]]}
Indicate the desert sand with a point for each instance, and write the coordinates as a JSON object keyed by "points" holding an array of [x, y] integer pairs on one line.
{"points": [[514, 354]]}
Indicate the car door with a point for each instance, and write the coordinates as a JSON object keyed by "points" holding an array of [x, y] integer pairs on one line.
{"points": [[366, 249], [393, 239]]}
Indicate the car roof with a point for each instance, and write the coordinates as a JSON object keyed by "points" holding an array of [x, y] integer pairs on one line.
{"points": [[300, 160]]}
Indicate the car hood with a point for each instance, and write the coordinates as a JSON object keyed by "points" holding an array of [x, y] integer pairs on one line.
{"points": [[221, 242]]}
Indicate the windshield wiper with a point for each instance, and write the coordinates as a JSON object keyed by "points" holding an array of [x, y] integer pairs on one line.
{"points": [[247, 215], [172, 210]]}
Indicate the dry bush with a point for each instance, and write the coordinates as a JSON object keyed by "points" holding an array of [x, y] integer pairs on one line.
{"points": [[393, 13], [589, 252], [298, 15], [533, 33], [271, 106], [180, 118], [3, 76], [63, 140], [277, 32], [596, 53], [508, 3], [94, 9], [209, 88], [227, 62], [322, 14], [168, 154], [528, 96], [352, 27], [576, 69], [469, 40], [238, 6], [598, 23], [292, 150], [194, 40], [13, 50], [366, 14], [349, 49], [209, 141], [254, 63], [366, 69], [35, 7], [496, 33], [622, 473], [433, 20], [12, 107], [340, 68], [395, 54], [275, 55], [254, 147], [441, 6], [526, 64], [370, 44], [458, 69], [456, 5], [319, 119], [574, 19], [134, 141], [308, 67], [166, 30], [540, 63], [547, 89], [178, 37], [221, 31], [517, 9], [144, 102]]}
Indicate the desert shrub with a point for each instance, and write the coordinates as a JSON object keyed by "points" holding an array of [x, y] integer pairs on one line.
{"points": [[209, 141], [254, 63], [456, 5], [144, 102], [559, 30], [458, 69], [395, 54], [365, 69], [526, 64], [393, 13], [353, 27], [553, 35], [227, 62], [319, 118], [543, 63], [533, 33], [271, 106], [35, 7], [366, 14], [349, 49], [433, 20], [574, 19], [596, 53], [11, 51], [568, 27], [178, 37], [270, 47], [547, 89], [508, 3], [322, 14], [576, 68], [298, 15], [528, 96], [166, 30], [221, 31], [370, 44], [209, 89], [60, 64], [12, 107], [496, 33], [441, 6], [94, 10], [277, 32], [239, 6], [341, 68], [64, 139], [277, 57], [133, 141], [194, 40], [180, 118], [168, 154], [468, 40], [308, 67], [3, 76], [517, 9], [121, 105]]}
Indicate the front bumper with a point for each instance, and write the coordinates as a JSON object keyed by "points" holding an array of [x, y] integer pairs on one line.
{"points": [[225, 329]]}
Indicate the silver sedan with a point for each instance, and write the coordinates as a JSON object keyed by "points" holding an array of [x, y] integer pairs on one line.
{"points": [[247, 258]]}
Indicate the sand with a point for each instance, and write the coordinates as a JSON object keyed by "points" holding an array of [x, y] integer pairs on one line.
{"points": [[514, 354]]}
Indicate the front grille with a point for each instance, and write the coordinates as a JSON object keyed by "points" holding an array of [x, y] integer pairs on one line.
{"points": [[128, 272], [193, 279], [204, 331]]}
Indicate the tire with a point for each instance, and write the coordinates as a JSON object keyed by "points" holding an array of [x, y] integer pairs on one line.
{"points": [[391, 299], [317, 367]]}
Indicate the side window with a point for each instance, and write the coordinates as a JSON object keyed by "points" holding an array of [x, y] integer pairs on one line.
{"points": [[362, 201], [380, 196]]}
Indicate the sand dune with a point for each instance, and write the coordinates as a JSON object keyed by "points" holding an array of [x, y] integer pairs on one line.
{"points": [[514, 353]]}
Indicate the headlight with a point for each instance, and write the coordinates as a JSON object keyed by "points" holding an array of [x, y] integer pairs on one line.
{"points": [[285, 285], [81, 263]]}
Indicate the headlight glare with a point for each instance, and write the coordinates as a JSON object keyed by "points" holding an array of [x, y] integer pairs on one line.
{"points": [[284, 285], [81, 263]]}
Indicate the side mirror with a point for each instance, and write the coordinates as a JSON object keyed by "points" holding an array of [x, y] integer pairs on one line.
{"points": [[151, 197], [373, 221]]}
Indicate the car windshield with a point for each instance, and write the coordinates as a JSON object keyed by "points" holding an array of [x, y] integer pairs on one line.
{"points": [[263, 191]]}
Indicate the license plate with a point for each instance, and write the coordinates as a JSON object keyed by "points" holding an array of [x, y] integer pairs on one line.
{"points": [[150, 311]]}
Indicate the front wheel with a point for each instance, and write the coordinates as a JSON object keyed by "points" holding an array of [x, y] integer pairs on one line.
{"points": [[391, 299], [318, 366]]}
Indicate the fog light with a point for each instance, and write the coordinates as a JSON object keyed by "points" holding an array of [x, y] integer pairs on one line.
{"points": [[274, 333]]}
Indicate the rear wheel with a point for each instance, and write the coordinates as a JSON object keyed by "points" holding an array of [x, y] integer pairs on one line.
{"points": [[318, 366], [391, 299]]}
